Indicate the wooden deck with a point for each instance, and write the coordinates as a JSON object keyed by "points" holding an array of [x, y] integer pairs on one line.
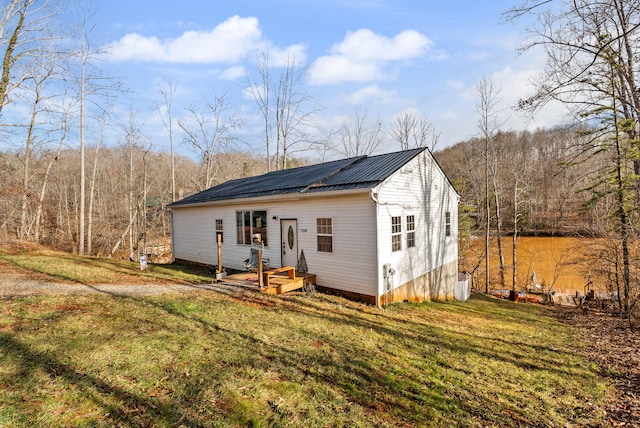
{"points": [[276, 281]]}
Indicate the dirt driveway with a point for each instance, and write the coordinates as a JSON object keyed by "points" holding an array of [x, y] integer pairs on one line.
{"points": [[14, 283]]}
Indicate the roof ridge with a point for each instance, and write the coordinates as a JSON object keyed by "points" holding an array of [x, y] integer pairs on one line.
{"points": [[343, 168], [352, 173]]}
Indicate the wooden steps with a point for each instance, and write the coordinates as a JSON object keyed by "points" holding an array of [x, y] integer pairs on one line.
{"points": [[281, 280], [270, 274], [281, 285], [275, 281]]}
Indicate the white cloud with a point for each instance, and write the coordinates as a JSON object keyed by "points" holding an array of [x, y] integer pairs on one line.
{"points": [[515, 85], [369, 94], [336, 69], [455, 84], [362, 56], [281, 57], [233, 73], [451, 115], [365, 45], [228, 42]]}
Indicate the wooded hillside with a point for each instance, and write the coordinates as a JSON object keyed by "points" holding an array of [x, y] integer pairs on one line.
{"points": [[540, 180], [127, 194]]}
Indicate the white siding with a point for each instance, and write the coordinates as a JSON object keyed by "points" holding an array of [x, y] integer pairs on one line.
{"points": [[352, 264], [361, 230], [350, 267], [193, 235], [419, 189]]}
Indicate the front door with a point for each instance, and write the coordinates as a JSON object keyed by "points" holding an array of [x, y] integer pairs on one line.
{"points": [[289, 239]]}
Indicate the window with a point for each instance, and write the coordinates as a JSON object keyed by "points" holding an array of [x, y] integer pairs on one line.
{"points": [[219, 230], [411, 231], [324, 230], [396, 233], [447, 223], [249, 223]]}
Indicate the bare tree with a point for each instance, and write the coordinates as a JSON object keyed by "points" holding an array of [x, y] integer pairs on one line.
{"points": [[359, 135], [488, 125], [48, 121], [31, 130], [85, 56], [92, 192], [519, 177], [30, 63], [261, 92], [592, 61], [287, 109], [207, 133], [45, 180], [136, 142], [294, 122], [95, 93], [412, 130], [166, 115], [25, 30]]}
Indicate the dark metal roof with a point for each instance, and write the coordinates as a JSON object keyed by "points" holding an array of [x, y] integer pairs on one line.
{"points": [[346, 174]]}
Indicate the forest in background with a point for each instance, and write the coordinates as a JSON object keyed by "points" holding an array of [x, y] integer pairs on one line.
{"points": [[79, 173], [128, 193], [539, 178]]}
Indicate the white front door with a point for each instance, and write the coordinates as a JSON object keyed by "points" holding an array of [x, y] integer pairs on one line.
{"points": [[289, 240]]}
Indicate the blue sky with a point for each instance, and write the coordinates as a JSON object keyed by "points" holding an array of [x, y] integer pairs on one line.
{"points": [[380, 55]]}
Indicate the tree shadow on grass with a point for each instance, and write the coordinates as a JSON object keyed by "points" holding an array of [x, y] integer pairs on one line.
{"points": [[415, 392], [420, 334], [358, 374], [122, 406], [361, 380]]}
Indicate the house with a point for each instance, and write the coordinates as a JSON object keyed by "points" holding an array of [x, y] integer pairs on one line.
{"points": [[377, 228]]}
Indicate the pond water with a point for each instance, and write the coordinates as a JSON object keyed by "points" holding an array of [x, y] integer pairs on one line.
{"points": [[557, 261]]}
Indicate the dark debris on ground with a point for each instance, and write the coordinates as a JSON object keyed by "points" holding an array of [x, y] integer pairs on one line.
{"points": [[615, 348]]}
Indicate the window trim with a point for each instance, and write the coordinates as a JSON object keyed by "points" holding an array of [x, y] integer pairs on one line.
{"points": [[447, 223], [249, 220], [411, 231], [324, 231], [219, 230], [396, 233]]}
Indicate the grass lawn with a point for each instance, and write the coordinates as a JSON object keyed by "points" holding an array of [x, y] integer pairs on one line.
{"points": [[220, 359], [61, 266], [215, 358]]}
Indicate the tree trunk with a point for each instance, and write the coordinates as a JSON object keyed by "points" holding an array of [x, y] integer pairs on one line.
{"points": [[514, 257], [45, 181], [9, 59], [82, 166], [131, 214], [488, 217], [92, 192], [503, 281], [23, 234], [122, 237]]}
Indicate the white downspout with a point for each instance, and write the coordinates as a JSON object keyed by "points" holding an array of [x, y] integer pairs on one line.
{"points": [[374, 197]]}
